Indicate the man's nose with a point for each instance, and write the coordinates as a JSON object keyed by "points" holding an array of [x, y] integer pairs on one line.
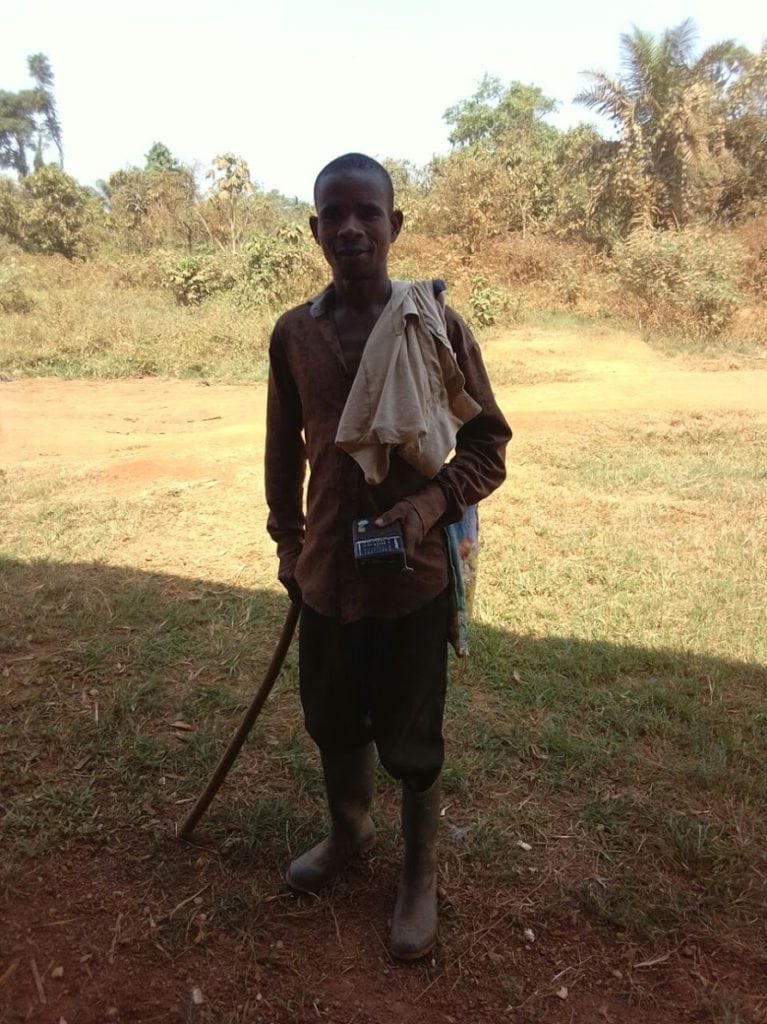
{"points": [[350, 227]]}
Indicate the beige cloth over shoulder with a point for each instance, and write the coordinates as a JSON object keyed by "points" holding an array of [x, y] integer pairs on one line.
{"points": [[408, 392]]}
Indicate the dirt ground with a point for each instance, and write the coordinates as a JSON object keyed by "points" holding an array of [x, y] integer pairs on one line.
{"points": [[134, 431], [124, 437]]}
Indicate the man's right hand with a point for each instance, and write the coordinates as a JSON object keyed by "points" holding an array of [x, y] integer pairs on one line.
{"points": [[287, 578]]}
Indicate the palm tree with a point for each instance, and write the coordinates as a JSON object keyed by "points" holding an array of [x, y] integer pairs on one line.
{"points": [[28, 120], [669, 108], [41, 72]]}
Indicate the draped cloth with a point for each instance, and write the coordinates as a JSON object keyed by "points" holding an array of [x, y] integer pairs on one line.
{"points": [[408, 393]]}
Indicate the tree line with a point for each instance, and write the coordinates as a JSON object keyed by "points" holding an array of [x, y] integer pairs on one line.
{"points": [[688, 146]]}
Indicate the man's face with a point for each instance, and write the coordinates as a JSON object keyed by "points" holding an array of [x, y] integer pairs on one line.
{"points": [[355, 224]]}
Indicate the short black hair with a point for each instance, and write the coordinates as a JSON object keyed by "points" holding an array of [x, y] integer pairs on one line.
{"points": [[357, 162]]}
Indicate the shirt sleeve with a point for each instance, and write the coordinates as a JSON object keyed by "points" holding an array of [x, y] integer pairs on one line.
{"points": [[478, 466], [285, 459]]}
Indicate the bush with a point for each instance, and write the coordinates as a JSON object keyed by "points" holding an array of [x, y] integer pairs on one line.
{"points": [[486, 302], [752, 235], [194, 278], [271, 273], [149, 270], [55, 214], [279, 270], [533, 259], [490, 305], [682, 281], [13, 298], [9, 210]]}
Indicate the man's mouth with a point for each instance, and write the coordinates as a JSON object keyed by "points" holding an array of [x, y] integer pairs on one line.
{"points": [[350, 254]]}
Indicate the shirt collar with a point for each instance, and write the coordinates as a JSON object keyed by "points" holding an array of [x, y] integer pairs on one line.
{"points": [[318, 306]]}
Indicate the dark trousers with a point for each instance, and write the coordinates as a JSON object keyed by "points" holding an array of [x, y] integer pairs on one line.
{"points": [[380, 680]]}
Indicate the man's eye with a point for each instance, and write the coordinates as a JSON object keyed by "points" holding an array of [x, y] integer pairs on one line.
{"points": [[369, 212]]}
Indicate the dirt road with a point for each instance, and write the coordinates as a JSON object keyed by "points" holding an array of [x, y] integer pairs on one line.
{"points": [[133, 432]]}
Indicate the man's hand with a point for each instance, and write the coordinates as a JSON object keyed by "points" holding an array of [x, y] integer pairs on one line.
{"points": [[410, 521], [287, 577]]}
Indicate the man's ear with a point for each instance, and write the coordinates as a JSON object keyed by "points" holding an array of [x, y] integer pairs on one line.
{"points": [[396, 220], [313, 222]]}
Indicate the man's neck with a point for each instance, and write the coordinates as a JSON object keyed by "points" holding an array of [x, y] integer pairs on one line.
{"points": [[361, 295]]}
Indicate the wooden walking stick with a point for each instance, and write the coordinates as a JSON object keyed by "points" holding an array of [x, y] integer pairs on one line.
{"points": [[235, 744]]}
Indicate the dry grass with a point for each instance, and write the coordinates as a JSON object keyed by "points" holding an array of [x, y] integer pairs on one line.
{"points": [[112, 318], [85, 322]]}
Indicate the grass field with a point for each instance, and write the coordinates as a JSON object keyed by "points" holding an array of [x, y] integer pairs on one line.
{"points": [[606, 783]]}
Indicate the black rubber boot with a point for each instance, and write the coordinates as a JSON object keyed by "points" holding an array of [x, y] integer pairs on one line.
{"points": [[349, 787], [414, 924]]}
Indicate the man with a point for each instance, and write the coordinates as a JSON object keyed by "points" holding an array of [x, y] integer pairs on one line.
{"points": [[372, 650]]}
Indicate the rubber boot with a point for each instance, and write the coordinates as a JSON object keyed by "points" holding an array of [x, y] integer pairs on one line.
{"points": [[349, 787], [414, 924]]}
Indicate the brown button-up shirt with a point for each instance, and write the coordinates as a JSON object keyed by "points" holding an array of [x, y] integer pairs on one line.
{"points": [[309, 381]]}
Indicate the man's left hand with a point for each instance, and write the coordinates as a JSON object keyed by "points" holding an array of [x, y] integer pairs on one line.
{"points": [[410, 521]]}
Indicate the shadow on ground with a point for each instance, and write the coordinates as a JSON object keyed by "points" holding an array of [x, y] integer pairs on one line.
{"points": [[603, 799]]}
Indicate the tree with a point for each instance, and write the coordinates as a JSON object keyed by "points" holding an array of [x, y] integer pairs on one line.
{"points": [[16, 130], [467, 197], [55, 214], [669, 108], [156, 206], [29, 120], [410, 189], [745, 190], [579, 158], [496, 115], [49, 129], [226, 218], [160, 158], [504, 148]]}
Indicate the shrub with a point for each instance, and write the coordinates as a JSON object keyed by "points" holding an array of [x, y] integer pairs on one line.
{"points": [[55, 214], [488, 303], [9, 210], [13, 298], [149, 270], [151, 207], [532, 259], [752, 235], [685, 281], [194, 278], [569, 284], [279, 269]]}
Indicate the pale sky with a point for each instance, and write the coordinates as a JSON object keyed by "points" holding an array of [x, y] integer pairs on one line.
{"points": [[290, 85]]}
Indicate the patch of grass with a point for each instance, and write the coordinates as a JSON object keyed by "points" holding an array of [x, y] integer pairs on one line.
{"points": [[211, 700], [53, 815], [111, 319], [736, 348], [83, 327], [624, 910], [519, 374], [658, 543], [564, 320], [268, 828]]}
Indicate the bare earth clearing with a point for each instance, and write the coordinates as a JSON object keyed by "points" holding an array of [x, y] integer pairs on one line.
{"points": [[151, 430], [93, 913]]}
